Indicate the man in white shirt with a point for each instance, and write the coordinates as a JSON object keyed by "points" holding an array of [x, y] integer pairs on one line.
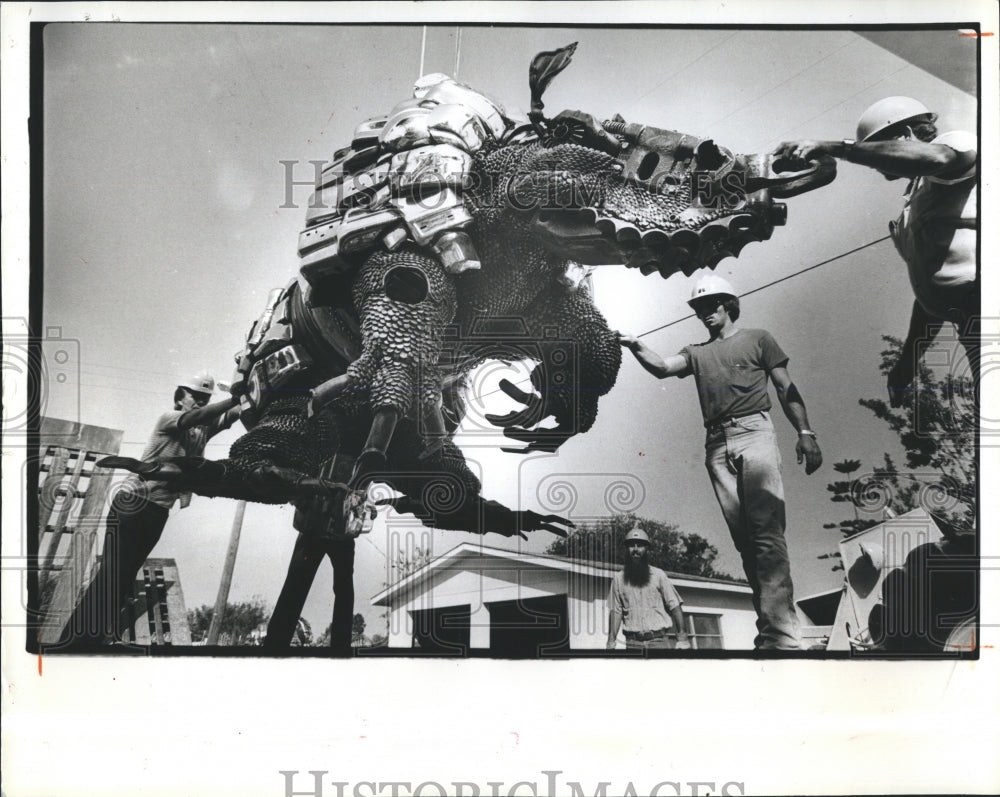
{"points": [[643, 600], [936, 232], [140, 508]]}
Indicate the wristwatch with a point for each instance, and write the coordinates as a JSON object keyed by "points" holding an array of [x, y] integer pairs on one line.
{"points": [[808, 432], [849, 143]]}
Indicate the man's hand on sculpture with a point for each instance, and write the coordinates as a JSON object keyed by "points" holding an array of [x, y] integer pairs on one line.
{"points": [[803, 150], [630, 342]]}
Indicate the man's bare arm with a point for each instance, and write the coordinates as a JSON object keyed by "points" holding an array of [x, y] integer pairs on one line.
{"points": [[903, 157], [614, 625], [677, 617], [208, 413], [660, 367], [795, 410]]}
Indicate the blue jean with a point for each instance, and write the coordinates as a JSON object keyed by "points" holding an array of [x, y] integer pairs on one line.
{"points": [[744, 464]]}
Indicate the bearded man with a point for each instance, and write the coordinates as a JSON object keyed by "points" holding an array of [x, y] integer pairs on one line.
{"points": [[644, 601]]}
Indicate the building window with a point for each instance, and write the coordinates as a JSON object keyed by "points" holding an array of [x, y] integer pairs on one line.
{"points": [[46, 466], [705, 631]]}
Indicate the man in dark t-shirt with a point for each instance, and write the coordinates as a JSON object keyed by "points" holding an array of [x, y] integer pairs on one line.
{"points": [[731, 371]]}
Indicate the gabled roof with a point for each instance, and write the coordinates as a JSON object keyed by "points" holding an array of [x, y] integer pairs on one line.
{"points": [[914, 515], [504, 558]]}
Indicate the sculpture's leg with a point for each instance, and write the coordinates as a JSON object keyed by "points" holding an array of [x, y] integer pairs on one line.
{"points": [[578, 365], [480, 516], [404, 301], [274, 462], [373, 456], [444, 493]]}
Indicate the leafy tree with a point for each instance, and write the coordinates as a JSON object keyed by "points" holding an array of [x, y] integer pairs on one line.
{"points": [[357, 632], [358, 629], [936, 425], [239, 624], [669, 549], [404, 564], [303, 635], [323, 640]]}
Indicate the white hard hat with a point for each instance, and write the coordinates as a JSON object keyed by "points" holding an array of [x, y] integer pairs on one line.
{"points": [[637, 534], [889, 111], [711, 285], [199, 383]]}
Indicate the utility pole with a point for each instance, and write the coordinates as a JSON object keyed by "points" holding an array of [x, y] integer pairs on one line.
{"points": [[227, 575]]}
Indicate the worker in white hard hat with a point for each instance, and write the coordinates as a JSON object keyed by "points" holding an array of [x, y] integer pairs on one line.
{"points": [[139, 509], [936, 231], [643, 603], [731, 372]]}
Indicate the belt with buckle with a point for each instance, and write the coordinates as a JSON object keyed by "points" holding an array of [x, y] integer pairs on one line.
{"points": [[645, 636], [732, 419]]}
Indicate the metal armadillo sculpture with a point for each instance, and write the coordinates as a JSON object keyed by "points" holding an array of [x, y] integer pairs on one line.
{"points": [[448, 233]]}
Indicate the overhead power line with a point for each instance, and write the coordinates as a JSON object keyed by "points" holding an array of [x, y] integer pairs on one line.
{"points": [[777, 281]]}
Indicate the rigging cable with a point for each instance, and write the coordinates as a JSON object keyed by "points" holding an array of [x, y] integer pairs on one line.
{"points": [[775, 282]]}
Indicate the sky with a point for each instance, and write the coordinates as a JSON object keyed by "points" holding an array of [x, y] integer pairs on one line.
{"points": [[168, 218]]}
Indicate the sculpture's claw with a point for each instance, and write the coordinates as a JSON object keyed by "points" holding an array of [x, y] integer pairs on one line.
{"points": [[175, 469], [532, 521], [290, 483], [266, 484], [402, 504], [510, 419], [529, 416], [547, 440], [555, 399], [153, 471], [480, 517], [515, 392]]}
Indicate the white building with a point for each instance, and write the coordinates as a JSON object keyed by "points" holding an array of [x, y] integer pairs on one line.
{"points": [[877, 563], [510, 603]]}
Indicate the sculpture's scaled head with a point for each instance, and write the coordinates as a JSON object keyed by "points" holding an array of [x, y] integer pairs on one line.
{"points": [[613, 192]]}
